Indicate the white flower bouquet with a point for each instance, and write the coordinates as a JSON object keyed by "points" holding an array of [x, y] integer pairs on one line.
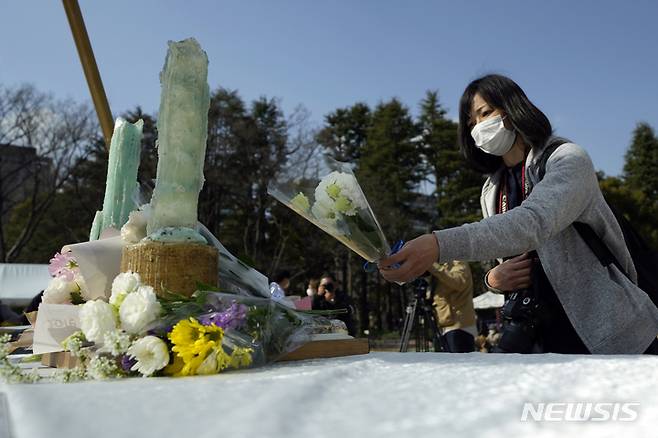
{"points": [[332, 199], [137, 333]]}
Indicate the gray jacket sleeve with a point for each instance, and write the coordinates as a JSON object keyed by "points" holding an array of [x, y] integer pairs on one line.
{"points": [[566, 190]]}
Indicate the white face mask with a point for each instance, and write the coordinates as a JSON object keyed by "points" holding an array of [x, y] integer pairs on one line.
{"points": [[492, 137]]}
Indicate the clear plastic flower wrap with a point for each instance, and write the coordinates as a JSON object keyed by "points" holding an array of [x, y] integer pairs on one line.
{"points": [[138, 333], [331, 198], [261, 328]]}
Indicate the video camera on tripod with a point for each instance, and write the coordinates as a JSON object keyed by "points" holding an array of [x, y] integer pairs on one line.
{"points": [[421, 321]]}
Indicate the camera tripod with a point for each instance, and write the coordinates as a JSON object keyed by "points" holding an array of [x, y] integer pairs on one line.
{"points": [[421, 321]]}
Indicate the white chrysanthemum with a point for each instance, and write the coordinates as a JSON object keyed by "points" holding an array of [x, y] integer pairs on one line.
{"points": [[151, 354], [96, 319], [139, 309], [116, 342], [59, 291], [123, 284]]}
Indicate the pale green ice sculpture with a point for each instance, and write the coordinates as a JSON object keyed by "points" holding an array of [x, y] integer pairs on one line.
{"points": [[182, 134], [96, 226], [121, 183]]}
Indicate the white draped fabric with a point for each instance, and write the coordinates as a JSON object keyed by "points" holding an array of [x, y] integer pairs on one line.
{"points": [[20, 282], [376, 395]]}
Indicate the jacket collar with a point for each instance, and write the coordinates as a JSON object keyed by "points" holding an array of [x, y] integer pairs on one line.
{"points": [[490, 189]]}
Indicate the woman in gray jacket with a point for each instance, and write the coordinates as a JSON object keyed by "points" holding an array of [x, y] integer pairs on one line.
{"points": [[529, 202]]}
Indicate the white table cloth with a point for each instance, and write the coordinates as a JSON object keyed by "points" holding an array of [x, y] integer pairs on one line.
{"points": [[375, 395]]}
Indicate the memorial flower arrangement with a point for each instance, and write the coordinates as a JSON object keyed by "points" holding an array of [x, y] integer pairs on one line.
{"points": [[137, 333], [130, 330], [336, 204]]}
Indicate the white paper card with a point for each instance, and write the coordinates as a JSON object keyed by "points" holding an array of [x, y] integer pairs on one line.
{"points": [[55, 322]]}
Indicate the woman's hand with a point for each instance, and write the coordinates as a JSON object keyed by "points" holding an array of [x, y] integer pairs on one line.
{"points": [[415, 257], [512, 274]]}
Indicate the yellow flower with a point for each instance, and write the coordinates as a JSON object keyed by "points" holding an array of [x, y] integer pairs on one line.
{"points": [[175, 366], [193, 343], [241, 357]]}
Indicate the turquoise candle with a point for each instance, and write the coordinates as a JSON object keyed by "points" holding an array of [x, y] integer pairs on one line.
{"points": [[96, 226], [182, 133], [121, 182]]}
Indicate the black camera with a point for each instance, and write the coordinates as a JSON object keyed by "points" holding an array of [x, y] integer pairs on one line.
{"points": [[329, 287], [520, 313]]}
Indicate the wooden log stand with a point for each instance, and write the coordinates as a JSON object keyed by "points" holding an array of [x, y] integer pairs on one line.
{"points": [[173, 267]]}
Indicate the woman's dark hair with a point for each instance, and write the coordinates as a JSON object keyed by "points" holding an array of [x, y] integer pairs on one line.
{"points": [[280, 276], [504, 94]]}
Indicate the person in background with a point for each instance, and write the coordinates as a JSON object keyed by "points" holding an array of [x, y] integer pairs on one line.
{"points": [[453, 303], [312, 289], [282, 278], [329, 297]]}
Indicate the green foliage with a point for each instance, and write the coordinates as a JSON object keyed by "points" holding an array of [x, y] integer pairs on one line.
{"points": [[345, 132], [641, 167], [457, 187], [637, 208], [635, 195], [390, 167]]}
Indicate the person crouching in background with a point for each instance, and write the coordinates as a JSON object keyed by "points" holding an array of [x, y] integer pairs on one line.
{"points": [[453, 303]]}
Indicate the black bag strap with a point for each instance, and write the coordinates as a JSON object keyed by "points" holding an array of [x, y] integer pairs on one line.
{"points": [[598, 247], [592, 240]]}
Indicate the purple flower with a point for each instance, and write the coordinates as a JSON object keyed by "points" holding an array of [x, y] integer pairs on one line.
{"points": [[63, 265], [231, 318], [127, 362]]}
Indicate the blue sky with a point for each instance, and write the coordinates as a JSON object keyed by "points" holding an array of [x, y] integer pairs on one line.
{"points": [[592, 66]]}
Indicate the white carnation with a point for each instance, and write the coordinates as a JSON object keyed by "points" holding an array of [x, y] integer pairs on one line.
{"points": [[96, 319], [59, 291], [123, 284], [139, 309], [336, 195], [349, 187], [151, 354]]}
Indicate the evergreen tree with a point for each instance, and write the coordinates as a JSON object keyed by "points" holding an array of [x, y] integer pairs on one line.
{"points": [[346, 131], [390, 167], [457, 187], [641, 167]]}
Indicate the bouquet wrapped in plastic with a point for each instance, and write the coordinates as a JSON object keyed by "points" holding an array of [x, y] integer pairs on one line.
{"points": [[332, 199], [133, 331], [138, 333]]}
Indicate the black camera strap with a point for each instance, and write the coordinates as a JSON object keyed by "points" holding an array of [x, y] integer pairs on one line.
{"points": [[504, 192]]}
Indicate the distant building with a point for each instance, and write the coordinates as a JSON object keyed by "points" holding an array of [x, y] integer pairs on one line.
{"points": [[18, 165]]}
